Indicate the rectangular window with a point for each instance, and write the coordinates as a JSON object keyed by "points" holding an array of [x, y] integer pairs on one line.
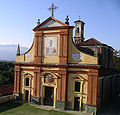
{"points": [[77, 86], [27, 81]]}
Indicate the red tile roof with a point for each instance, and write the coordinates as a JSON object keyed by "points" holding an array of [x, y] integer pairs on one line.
{"points": [[84, 50], [91, 42]]}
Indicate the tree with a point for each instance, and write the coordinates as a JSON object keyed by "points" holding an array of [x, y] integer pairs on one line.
{"points": [[116, 60], [6, 73]]}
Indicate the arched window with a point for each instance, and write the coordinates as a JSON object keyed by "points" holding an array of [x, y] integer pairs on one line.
{"points": [[77, 29]]}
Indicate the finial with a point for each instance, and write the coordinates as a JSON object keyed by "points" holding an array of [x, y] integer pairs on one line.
{"points": [[38, 22], [67, 20], [18, 50], [52, 9]]}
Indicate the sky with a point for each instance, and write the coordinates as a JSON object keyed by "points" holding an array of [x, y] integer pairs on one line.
{"points": [[19, 17]]}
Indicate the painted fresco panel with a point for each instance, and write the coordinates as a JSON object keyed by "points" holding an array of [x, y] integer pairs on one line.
{"points": [[50, 45]]}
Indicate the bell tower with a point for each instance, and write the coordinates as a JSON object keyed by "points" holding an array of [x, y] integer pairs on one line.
{"points": [[79, 31]]}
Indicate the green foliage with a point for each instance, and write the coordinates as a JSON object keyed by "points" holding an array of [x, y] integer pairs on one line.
{"points": [[116, 60], [6, 73]]}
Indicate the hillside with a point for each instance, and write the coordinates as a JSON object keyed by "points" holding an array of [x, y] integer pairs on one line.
{"points": [[8, 52]]}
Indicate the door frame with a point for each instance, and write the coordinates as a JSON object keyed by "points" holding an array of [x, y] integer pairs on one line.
{"points": [[43, 94], [80, 104], [46, 92], [43, 84], [28, 95]]}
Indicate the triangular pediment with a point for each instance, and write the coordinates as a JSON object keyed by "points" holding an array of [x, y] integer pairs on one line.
{"points": [[50, 22]]}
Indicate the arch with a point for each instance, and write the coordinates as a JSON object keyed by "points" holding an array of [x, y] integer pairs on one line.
{"points": [[53, 74]]}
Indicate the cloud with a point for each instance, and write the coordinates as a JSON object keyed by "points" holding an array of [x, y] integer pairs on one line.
{"points": [[7, 43]]}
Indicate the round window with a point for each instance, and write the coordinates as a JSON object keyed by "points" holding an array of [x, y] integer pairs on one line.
{"points": [[48, 78]]}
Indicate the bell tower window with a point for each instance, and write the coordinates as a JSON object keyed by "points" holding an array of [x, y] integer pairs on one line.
{"points": [[77, 30]]}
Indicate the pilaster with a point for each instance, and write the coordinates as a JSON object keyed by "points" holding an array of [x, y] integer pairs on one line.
{"points": [[38, 47], [92, 87], [59, 87], [17, 78], [64, 87], [36, 91], [15, 82], [35, 78], [18, 81], [63, 56], [38, 84]]}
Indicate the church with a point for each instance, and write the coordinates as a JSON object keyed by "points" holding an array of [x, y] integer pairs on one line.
{"points": [[61, 69]]}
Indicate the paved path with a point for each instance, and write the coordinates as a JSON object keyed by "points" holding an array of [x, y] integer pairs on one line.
{"points": [[113, 107], [67, 111]]}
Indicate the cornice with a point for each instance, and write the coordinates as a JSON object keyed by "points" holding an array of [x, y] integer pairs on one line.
{"points": [[93, 66], [53, 28]]}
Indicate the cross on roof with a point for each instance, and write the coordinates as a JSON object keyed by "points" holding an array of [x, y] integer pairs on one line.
{"points": [[52, 8], [79, 17]]}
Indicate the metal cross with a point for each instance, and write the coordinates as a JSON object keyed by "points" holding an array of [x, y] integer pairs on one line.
{"points": [[79, 17], [52, 9]]}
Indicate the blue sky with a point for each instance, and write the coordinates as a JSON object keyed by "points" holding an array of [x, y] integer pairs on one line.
{"points": [[19, 17]]}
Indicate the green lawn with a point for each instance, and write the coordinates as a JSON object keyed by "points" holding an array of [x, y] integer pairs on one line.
{"points": [[13, 108]]}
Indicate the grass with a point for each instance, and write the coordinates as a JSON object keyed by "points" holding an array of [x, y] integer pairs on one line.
{"points": [[14, 108]]}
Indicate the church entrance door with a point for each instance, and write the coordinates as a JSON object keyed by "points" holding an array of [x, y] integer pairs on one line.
{"points": [[49, 96], [76, 103]]}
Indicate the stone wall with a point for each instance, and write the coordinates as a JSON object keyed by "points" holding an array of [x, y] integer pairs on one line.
{"points": [[6, 89], [6, 98], [108, 86]]}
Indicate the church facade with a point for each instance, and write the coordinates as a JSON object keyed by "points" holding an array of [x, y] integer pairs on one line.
{"points": [[60, 70]]}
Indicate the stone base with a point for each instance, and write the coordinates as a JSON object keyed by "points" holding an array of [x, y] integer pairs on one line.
{"points": [[60, 105], [90, 108], [36, 100], [68, 105], [83, 107], [21, 96], [16, 95]]}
